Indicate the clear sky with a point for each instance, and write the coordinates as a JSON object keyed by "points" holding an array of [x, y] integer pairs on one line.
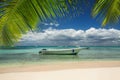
{"points": [[79, 30]]}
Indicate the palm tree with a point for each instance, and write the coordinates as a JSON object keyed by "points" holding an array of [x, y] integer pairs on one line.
{"points": [[17, 17], [107, 10]]}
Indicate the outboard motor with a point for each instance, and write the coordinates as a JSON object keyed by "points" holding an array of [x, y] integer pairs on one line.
{"points": [[42, 51]]}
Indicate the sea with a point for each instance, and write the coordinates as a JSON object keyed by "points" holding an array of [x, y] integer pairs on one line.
{"points": [[30, 55]]}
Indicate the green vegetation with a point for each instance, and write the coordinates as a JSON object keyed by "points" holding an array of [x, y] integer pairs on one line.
{"points": [[109, 10]]}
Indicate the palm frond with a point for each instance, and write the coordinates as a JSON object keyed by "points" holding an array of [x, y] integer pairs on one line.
{"points": [[20, 16], [108, 10]]}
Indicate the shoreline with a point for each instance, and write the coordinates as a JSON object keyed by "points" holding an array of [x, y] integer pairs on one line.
{"points": [[59, 66]]}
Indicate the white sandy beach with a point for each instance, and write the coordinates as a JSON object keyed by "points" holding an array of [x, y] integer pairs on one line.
{"points": [[71, 74], [91, 70]]}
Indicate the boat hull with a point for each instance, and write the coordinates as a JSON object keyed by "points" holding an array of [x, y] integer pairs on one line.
{"points": [[73, 51]]}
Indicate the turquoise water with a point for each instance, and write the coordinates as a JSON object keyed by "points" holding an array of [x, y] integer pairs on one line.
{"points": [[30, 55]]}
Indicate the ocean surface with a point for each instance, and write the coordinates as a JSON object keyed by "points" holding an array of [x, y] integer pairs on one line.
{"points": [[25, 55]]}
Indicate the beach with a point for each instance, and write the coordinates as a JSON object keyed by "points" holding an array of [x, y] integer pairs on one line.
{"points": [[59, 40], [85, 70]]}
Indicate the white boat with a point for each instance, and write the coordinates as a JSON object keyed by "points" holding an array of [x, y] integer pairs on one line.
{"points": [[69, 51]]}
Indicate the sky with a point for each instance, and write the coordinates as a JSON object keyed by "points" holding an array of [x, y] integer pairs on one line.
{"points": [[82, 30]]}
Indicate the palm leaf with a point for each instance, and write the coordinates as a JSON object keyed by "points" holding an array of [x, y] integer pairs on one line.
{"points": [[108, 10], [17, 17]]}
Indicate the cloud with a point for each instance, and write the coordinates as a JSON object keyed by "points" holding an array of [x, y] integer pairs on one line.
{"points": [[90, 37], [51, 24]]}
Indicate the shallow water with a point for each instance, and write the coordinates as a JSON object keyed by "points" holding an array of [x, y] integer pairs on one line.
{"points": [[24, 55]]}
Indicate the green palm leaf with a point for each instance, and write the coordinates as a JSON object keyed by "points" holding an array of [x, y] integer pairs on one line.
{"points": [[108, 10], [17, 17]]}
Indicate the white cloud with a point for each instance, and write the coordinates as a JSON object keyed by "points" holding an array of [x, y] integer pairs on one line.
{"points": [[51, 24], [56, 24], [46, 24], [90, 37]]}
